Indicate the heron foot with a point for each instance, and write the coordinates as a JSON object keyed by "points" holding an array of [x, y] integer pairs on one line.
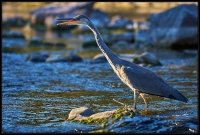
{"points": [[120, 102], [125, 106]]}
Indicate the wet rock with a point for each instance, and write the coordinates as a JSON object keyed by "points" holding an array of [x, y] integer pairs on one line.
{"points": [[47, 15], [175, 28], [128, 37], [64, 58], [37, 57], [48, 44], [13, 34], [90, 44], [60, 45], [120, 22], [38, 42], [45, 57], [139, 25], [14, 22], [85, 115], [190, 53], [142, 37], [99, 58], [79, 113], [136, 124], [103, 115], [147, 58], [121, 45]]}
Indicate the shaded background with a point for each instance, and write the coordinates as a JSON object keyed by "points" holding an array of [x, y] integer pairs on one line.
{"points": [[47, 70]]}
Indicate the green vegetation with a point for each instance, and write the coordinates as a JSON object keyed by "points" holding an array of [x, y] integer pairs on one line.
{"points": [[118, 114]]}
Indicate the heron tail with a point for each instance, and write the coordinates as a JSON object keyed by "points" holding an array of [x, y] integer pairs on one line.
{"points": [[178, 96]]}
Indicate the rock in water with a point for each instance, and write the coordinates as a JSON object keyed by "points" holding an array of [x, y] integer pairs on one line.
{"points": [[99, 58], [128, 37], [79, 113], [147, 58], [63, 58], [37, 57], [175, 28], [13, 34], [16, 21], [102, 115], [85, 115]]}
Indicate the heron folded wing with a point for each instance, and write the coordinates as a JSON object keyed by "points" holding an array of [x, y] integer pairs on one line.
{"points": [[147, 82]]}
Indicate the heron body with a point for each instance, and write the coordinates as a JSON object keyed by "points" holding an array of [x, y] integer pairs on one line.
{"points": [[137, 78]]}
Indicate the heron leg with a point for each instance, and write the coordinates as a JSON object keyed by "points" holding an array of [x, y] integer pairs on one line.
{"points": [[119, 102], [135, 99], [142, 95]]}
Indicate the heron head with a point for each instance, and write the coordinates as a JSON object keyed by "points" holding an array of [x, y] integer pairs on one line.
{"points": [[77, 20]]}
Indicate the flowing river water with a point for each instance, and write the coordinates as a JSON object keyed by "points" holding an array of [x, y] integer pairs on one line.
{"points": [[37, 97]]}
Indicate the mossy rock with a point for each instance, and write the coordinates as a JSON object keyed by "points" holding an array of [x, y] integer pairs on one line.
{"points": [[104, 117], [119, 113]]}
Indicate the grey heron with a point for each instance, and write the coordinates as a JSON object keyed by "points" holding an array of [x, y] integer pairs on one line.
{"points": [[137, 78]]}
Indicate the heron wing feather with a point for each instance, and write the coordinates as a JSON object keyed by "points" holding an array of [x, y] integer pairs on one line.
{"points": [[146, 81]]}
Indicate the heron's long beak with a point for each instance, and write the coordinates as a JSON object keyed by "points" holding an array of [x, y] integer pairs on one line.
{"points": [[67, 21]]}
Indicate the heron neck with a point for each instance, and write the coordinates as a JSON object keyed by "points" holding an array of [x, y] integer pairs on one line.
{"points": [[110, 56]]}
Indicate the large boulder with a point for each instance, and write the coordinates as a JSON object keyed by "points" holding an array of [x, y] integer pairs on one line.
{"points": [[47, 15], [175, 28]]}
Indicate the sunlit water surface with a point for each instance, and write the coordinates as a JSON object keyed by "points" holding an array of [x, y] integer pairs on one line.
{"points": [[37, 97]]}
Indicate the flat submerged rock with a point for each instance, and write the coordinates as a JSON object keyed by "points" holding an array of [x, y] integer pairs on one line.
{"points": [[86, 115]]}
